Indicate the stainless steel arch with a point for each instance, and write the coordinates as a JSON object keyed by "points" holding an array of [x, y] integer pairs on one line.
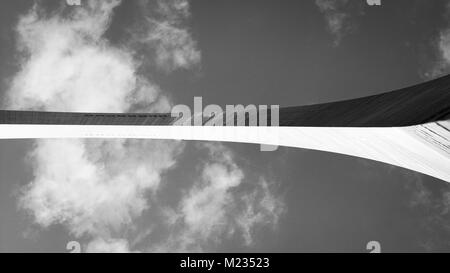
{"points": [[409, 127]]}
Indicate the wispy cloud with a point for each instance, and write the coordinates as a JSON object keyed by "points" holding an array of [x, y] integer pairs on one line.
{"points": [[108, 246], [220, 205], [166, 36], [441, 46], [432, 203], [98, 188], [337, 18], [434, 200]]}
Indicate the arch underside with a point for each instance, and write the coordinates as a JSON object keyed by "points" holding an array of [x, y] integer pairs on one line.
{"points": [[421, 148], [409, 127]]}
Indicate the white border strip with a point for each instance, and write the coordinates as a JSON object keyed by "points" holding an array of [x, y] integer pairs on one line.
{"points": [[399, 146]]}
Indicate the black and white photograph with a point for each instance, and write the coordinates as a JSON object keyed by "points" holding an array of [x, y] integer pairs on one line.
{"points": [[247, 127]]}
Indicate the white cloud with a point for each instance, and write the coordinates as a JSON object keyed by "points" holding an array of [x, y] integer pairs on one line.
{"points": [[217, 206], [336, 17], [167, 35], [205, 207], [68, 66], [431, 203], [98, 188], [261, 208], [95, 187], [440, 65], [100, 245]]}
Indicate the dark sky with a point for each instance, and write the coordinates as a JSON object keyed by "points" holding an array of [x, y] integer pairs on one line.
{"points": [[280, 52]]}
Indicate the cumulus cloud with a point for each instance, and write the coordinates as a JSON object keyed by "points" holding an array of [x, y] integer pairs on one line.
{"points": [[98, 188], [337, 18], [68, 66], [95, 187]]}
